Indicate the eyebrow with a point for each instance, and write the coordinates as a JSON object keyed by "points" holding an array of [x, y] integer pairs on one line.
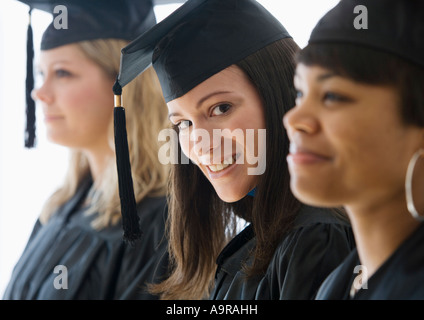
{"points": [[200, 102], [325, 76], [173, 114], [38, 65], [62, 61], [320, 77]]}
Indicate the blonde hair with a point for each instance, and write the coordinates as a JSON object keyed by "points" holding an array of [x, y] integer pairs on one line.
{"points": [[146, 115]]}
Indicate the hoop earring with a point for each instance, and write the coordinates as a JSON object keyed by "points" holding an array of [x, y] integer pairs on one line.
{"points": [[408, 185]]}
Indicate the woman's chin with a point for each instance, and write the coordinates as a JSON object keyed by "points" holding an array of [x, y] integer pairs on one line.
{"points": [[54, 139], [230, 197], [314, 198]]}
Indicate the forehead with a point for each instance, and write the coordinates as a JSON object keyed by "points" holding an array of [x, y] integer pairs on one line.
{"points": [[313, 73], [66, 53], [231, 80]]}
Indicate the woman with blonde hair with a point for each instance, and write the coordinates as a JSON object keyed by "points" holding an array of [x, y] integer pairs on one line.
{"points": [[76, 249]]}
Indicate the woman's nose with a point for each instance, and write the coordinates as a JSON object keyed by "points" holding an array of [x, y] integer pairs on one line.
{"points": [[300, 119], [41, 94], [34, 93], [202, 141]]}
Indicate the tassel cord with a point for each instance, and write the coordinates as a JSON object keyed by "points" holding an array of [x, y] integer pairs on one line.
{"points": [[130, 219], [29, 86]]}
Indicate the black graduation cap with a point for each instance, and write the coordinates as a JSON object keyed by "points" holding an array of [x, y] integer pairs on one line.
{"points": [[199, 39], [89, 20], [79, 20], [395, 26]]}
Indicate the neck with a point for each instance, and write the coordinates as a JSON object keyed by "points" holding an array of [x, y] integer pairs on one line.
{"points": [[98, 159], [252, 192], [380, 230]]}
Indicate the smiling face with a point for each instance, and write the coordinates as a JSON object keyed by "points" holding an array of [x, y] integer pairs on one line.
{"points": [[76, 98], [216, 120], [348, 143]]}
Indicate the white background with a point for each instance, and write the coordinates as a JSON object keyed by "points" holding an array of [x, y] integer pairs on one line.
{"points": [[29, 176]]}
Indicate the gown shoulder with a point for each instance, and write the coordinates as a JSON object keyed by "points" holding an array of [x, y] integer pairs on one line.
{"points": [[319, 241], [94, 264]]}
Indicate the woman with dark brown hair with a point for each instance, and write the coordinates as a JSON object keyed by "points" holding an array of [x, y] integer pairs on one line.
{"points": [[226, 70]]}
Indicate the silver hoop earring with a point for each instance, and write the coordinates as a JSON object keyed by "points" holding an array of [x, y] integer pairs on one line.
{"points": [[408, 185]]}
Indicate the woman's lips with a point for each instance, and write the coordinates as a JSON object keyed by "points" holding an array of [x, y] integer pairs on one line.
{"points": [[50, 118], [216, 171], [299, 155]]}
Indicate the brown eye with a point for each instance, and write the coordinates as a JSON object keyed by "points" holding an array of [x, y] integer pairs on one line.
{"points": [[334, 97], [299, 95], [184, 125], [220, 109]]}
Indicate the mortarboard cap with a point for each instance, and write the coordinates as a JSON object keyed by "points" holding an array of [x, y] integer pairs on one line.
{"points": [[94, 19], [79, 20], [394, 26], [90, 20], [199, 39]]}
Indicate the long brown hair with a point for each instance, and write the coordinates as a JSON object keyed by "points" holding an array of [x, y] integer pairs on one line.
{"points": [[200, 223], [146, 115]]}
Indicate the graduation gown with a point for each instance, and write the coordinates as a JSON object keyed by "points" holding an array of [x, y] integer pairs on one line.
{"points": [[90, 264], [401, 276], [317, 244]]}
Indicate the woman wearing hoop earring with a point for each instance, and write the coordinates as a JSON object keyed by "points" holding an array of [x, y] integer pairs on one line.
{"points": [[357, 141]]}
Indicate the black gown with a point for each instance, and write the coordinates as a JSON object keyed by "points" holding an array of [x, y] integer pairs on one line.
{"points": [[316, 246], [401, 276], [99, 265]]}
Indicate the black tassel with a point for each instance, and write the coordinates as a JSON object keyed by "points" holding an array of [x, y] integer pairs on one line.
{"points": [[130, 219], [29, 86]]}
